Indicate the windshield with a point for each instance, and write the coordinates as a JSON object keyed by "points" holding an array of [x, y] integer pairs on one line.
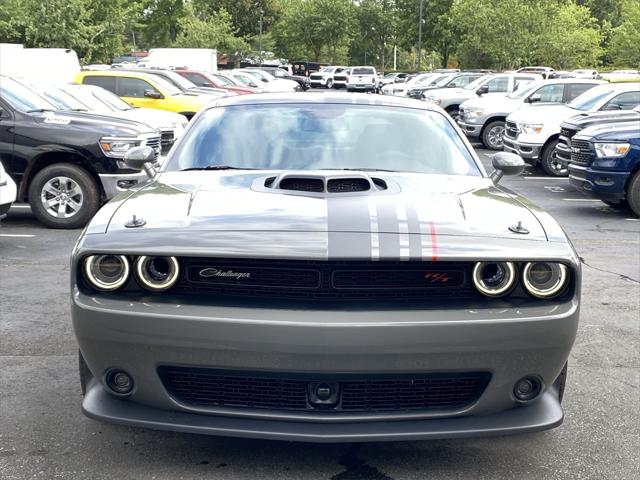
{"points": [[327, 69], [178, 80], [165, 85], [225, 81], [245, 79], [111, 99], [83, 94], [442, 80], [60, 98], [519, 93], [389, 76], [324, 136], [589, 99], [21, 98], [476, 83]]}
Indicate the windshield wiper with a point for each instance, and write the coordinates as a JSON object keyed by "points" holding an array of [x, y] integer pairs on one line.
{"points": [[40, 110], [217, 167]]}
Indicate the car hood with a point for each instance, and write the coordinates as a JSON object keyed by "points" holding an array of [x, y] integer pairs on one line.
{"points": [[623, 131], [156, 118], [586, 119], [493, 104], [449, 92], [542, 113], [90, 122], [412, 204]]}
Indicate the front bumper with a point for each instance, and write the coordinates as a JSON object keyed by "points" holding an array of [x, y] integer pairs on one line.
{"points": [[140, 336], [318, 82], [471, 130], [360, 86], [116, 183], [605, 184], [528, 151]]}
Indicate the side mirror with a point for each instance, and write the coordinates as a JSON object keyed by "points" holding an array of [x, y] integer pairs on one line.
{"points": [[506, 163], [141, 158], [482, 90], [534, 98], [152, 94]]}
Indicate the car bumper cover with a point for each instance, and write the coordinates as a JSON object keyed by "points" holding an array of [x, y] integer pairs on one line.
{"points": [[528, 151], [605, 184]]}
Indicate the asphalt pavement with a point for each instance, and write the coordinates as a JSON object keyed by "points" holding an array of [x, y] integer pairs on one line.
{"points": [[43, 434]]}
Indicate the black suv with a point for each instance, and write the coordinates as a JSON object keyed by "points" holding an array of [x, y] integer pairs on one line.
{"points": [[65, 164]]}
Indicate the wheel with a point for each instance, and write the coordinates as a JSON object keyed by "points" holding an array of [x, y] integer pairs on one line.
{"points": [[633, 193], [550, 162], [329, 83], [561, 382], [492, 135], [63, 196], [454, 112]]}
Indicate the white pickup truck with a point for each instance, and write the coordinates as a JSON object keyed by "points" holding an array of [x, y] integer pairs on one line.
{"points": [[7, 192], [363, 79]]}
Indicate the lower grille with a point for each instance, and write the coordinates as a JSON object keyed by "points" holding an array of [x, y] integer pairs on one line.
{"points": [[212, 388], [326, 280]]}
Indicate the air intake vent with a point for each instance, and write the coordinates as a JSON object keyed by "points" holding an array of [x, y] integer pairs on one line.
{"points": [[344, 185], [302, 184]]}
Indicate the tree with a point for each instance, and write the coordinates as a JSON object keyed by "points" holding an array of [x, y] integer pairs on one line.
{"points": [[625, 38], [378, 22], [245, 14], [160, 22]]}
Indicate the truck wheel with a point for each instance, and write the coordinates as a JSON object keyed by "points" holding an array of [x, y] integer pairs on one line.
{"points": [[550, 162], [63, 196], [329, 83], [492, 135], [633, 194]]}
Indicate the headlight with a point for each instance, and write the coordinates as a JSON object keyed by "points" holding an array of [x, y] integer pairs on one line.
{"points": [[106, 272], [117, 147], [157, 273], [435, 100], [531, 128], [494, 279], [473, 112], [611, 149], [544, 279]]}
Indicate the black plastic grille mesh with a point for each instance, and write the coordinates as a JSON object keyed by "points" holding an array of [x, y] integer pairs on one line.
{"points": [[213, 388], [302, 184], [340, 185], [333, 280], [583, 156], [511, 130]]}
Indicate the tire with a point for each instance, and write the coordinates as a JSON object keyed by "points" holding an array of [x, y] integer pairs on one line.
{"points": [[561, 382], [549, 163], [633, 193], [77, 200], [453, 111], [330, 83], [492, 135]]}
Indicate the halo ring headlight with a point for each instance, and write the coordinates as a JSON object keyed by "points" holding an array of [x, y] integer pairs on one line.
{"points": [[544, 279], [106, 272], [157, 273], [494, 279]]}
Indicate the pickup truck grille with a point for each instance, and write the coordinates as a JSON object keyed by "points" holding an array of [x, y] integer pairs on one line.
{"points": [[580, 152], [166, 140], [213, 388], [154, 142], [326, 280], [316, 77], [511, 130]]}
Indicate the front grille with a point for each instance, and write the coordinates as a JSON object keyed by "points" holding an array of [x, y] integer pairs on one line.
{"points": [[511, 130], [213, 388], [326, 280], [580, 152], [166, 140], [344, 185], [316, 77], [340, 78], [154, 142], [567, 133]]}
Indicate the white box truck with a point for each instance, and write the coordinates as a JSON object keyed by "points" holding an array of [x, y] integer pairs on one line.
{"points": [[203, 59]]}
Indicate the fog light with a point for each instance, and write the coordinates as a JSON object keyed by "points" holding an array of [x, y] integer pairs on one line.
{"points": [[126, 184], [527, 388], [119, 381]]}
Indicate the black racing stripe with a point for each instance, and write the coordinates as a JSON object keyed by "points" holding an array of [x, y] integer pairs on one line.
{"points": [[415, 245], [388, 223]]}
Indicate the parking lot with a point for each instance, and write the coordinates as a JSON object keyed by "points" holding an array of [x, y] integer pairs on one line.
{"points": [[44, 435]]}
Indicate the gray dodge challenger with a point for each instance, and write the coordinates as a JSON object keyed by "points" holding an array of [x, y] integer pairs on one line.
{"points": [[324, 268]]}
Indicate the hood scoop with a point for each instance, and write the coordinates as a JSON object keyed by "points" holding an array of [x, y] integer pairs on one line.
{"points": [[324, 184]]}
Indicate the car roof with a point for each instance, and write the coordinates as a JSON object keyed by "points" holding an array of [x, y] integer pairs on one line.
{"points": [[316, 98], [118, 73]]}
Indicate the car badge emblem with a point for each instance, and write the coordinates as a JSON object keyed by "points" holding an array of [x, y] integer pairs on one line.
{"points": [[214, 272], [437, 277]]}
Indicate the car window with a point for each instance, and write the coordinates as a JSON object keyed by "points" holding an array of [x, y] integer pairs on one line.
{"points": [[624, 101], [576, 89], [551, 93], [363, 71], [500, 84], [167, 86], [591, 98], [223, 80], [520, 82], [325, 136], [108, 83], [460, 81], [133, 87], [197, 79]]}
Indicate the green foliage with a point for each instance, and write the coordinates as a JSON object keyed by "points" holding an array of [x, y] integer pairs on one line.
{"points": [[498, 34], [625, 38]]}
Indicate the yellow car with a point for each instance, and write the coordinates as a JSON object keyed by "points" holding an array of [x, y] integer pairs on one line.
{"points": [[143, 89]]}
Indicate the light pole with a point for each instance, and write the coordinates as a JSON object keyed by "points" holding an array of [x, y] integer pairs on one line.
{"points": [[260, 41], [419, 37]]}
